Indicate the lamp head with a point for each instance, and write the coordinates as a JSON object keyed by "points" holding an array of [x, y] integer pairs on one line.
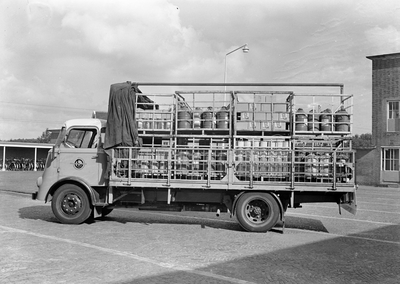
{"points": [[245, 48]]}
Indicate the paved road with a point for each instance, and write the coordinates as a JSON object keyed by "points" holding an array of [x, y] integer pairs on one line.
{"points": [[130, 246]]}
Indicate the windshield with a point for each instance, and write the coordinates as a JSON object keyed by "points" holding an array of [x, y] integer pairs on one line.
{"points": [[60, 137], [81, 138]]}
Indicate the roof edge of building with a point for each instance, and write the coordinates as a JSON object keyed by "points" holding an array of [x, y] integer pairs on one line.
{"points": [[397, 54]]}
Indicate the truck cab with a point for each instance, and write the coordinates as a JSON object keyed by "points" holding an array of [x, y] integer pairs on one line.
{"points": [[77, 158]]}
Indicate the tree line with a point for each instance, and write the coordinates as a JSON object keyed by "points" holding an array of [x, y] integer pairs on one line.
{"points": [[362, 140], [44, 138]]}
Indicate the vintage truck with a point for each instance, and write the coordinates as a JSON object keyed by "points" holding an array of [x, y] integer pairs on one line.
{"points": [[252, 150]]}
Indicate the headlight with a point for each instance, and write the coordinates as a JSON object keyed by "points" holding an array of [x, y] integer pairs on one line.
{"points": [[39, 181]]}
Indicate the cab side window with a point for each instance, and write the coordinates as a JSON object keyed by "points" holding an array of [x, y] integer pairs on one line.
{"points": [[81, 138]]}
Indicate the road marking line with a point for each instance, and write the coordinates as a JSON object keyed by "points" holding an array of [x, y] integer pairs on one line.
{"points": [[132, 256], [347, 236], [347, 219], [374, 203], [333, 207], [387, 193], [378, 211], [380, 198]]}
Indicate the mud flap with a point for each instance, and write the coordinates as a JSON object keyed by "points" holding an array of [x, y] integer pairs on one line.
{"points": [[349, 203], [97, 211], [280, 226]]}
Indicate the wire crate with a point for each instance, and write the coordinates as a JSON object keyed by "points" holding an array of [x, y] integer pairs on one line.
{"points": [[323, 161], [156, 113], [262, 112], [322, 114], [204, 110], [262, 159], [169, 164]]}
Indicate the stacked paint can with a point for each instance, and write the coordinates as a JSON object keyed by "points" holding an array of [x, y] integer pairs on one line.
{"points": [[313, 121], [182, 164], [265, 167], [220, 165], [243, 159], [162, 158], [223, 118], [197, 117], [342, 120], [325, 167], [207, 118], [299, 167], [326, 120], [196, 159], [301, 120], [184, 117], [311, 168]]}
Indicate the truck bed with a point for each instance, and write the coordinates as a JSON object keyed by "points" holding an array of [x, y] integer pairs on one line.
{"points": [[235, 140]]}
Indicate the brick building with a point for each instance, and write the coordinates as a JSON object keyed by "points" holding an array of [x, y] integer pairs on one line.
{"points": [[379, 165]]}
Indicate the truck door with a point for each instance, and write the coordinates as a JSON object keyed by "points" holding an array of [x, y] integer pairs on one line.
{"points": [[81, 156]]}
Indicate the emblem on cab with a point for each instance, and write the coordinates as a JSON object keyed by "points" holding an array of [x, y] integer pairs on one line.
{"points": [[79, 164]]}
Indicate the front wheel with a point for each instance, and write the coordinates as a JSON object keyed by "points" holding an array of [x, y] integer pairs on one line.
{"points": [[257, 211], [71, 204]]}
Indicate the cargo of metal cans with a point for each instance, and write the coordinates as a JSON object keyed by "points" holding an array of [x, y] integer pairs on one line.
{"points": [[241, 138], [321, 114]]}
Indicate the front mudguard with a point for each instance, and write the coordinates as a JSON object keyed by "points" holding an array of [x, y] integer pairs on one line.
{"points": [[92, 194]]}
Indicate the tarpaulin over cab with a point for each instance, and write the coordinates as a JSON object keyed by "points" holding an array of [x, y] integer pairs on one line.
{"points": [[121, 127]]}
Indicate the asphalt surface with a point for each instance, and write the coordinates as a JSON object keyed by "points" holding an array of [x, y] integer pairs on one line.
{"points": [[130, 246]]}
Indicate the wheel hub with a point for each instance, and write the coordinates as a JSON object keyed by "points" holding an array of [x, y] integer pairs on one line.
{"points": [[257, 212], [71, 204]]}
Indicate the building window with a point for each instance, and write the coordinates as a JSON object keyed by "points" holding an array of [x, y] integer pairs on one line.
{"points": [[393, 122], [390, 159]]}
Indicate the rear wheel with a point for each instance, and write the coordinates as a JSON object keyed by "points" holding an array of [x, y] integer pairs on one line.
{"points": [[71, 204], [257, 211]]}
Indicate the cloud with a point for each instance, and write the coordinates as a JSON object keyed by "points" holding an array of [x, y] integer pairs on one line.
{"points": [[68, 52], [39, 13], [383, 40], [146, 33]]}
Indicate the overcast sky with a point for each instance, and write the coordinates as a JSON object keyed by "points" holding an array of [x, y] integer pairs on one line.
{"points": [[58, 58]]}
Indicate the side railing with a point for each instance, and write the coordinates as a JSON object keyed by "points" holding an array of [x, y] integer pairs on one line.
{"points": [[205, 167]]}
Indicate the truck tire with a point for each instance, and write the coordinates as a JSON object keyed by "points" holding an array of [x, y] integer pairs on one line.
{"points": [[257, 211], [71, 204]]}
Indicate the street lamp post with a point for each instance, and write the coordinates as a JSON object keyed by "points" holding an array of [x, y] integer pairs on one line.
{"points": [[245, 49]]}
